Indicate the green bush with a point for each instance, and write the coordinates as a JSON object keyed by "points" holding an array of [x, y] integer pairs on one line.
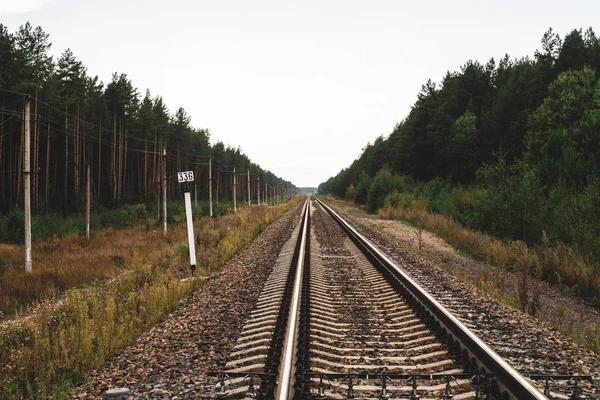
{"points": [[399, 200], [200, 210], [175, 208], [509, 201], [222, 208], [14, 227], [48, 225], [361, 192], [383, 184], [137, 211]]}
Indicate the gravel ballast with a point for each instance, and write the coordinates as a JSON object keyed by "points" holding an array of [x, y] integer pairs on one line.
{"points": [[526, 343], [171, 359]]}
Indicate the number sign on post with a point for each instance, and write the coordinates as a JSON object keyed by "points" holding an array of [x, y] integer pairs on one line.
{"points": [[185, 177]]}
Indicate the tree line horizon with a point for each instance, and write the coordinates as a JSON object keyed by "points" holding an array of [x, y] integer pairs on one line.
{"points": [[77, 120], [510, 148]]}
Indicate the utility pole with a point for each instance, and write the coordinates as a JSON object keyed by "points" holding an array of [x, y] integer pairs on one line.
{"points": [[87, 204], [164, 170], [210, 185], [258, 190], [249, 203], [234, 193], [27, 194]]}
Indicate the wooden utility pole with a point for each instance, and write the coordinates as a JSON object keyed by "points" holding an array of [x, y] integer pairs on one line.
{"points": [[88, 204], [234, 193], [210, 185], [27, 188], [164, 173], [249, 203]]}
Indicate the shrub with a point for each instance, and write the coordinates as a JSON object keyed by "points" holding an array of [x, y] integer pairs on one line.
{"points": [[383, 184], [362, 188], [137, 211], [14, 227], [200, 210], [175, 208], [350, 192]]}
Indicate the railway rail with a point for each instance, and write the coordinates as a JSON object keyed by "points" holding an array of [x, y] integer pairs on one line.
{"points": [[338, 319]]}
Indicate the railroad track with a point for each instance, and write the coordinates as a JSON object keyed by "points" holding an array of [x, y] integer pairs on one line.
{"points": [[337, 319]]}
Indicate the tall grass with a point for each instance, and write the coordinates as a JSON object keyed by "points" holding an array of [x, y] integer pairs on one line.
{"points": [[555, 263], [559, 264], [54, 350]]}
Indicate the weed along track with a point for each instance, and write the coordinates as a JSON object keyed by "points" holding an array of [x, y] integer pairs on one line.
{"points": [[336, 319]]}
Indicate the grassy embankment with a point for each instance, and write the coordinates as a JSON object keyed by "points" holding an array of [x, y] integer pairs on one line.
{"points": [[127, 280], [530, 264]]}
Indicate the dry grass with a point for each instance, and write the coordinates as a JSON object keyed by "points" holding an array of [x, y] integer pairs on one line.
{"points": [[43, 356], [557, 264], [67, 262], [571, 272]]}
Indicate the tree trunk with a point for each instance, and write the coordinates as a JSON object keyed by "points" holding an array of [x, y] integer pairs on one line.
{"points": [[146, 171], [76, 160], [113, 161], [47, 187], [123, 180], [66, 199], [36, 133], [154, 164], [99, 184], [120, 160], [2, 169]]}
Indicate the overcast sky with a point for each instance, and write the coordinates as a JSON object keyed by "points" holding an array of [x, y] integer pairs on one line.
{"points": [[300, 86]]}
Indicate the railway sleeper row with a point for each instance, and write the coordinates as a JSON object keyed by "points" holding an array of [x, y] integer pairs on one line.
{"points": [[365, 334]]}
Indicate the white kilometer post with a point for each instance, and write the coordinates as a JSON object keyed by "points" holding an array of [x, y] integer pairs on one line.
{"points": [[186, 177]]}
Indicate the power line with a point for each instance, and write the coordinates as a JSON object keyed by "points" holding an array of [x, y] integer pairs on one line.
{"points": [[13, 92]]}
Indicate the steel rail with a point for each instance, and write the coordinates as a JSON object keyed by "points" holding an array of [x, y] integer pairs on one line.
{"points": [[507, 378], [287, 358]]}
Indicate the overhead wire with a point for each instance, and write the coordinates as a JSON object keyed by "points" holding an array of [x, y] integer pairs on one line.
{"points": [[118, 146]]}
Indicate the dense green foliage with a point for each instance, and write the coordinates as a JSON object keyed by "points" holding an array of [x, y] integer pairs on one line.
{"points": [[77, 120], [512, 149]]}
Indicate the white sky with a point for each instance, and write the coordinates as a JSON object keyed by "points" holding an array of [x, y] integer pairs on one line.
{"points": [[300, 86]]}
